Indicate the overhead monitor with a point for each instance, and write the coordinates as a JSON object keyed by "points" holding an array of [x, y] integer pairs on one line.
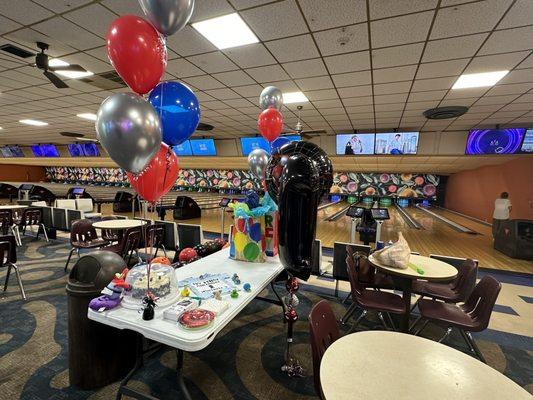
{"points": [[90, 150], [249, 144], [396, 143], [527, 143], [6, 152], [355, 212], [380, 213], [494, 141], [203, 147], [350, 144], [44, 150], [78, 191], [16, 151], [224, 202], [183, 149], [75, 150]]}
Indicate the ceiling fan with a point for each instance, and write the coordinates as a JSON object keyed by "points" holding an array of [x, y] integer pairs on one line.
{"points": [[298, 128], [42, 62]]}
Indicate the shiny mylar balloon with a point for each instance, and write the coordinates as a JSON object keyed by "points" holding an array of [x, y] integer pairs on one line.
{"points": [[159, 177], [271, 96], [297, 175], [137, 52], [129, 129], [179, 110], [168, 16], [270, 124], [257, 161], [277, 143]]}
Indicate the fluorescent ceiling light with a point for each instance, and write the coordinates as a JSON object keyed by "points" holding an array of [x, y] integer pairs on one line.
{"points": [[56, 62], [294, 97], [74, 74], [33, 122], [479, 80], [226, 31], [89, 116]]}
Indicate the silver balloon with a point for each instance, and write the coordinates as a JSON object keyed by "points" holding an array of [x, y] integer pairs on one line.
{"points": [[168, 16], [129, 129], [271, 96], [257, 161]]}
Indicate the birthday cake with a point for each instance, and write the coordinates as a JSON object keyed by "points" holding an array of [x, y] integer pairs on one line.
{"points": [[159, 286]]}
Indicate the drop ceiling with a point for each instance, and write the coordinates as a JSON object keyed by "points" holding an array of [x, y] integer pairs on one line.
{"points": [[365, 65]]}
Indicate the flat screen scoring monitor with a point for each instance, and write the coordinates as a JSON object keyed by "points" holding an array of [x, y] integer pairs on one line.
{"points": [[527, 144], [355, 144], [75, 150], [396, 143], [203, 147], [494, 141], [224, 202], [183, 149], [380, 213], [355, 212], [44, 150], [249, 144]]}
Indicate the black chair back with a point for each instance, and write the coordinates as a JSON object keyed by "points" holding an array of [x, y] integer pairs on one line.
{"points": [[461, 264], [31, 217], [6, 221], [189, 235], [339, 258], [8, 250], [130, 241]]}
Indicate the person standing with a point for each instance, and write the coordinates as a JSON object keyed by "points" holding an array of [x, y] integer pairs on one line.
{"points": [[502, 207]]}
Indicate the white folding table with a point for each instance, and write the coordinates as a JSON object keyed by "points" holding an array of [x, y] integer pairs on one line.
{"points": [[169, 333]]}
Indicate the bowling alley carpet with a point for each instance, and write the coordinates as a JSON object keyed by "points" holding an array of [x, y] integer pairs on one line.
{"points": [[243, 362]]}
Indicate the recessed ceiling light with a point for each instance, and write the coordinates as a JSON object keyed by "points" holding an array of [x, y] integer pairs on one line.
{"points": [[294, 97], [74, 74], [33, 122], [226, 31], [89, 116], [479, 80]]}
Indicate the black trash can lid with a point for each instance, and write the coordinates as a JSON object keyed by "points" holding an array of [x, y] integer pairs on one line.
{"points": [[93, 272]]}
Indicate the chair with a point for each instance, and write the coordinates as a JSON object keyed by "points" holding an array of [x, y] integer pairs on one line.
{"points": [[128, 244], [368, 276], [83, 236], [339, 261], [155, 238], [8, 258], [455, 291], [458, 262], [323, 331], [472, 316], [86, 205], [189, 235], [29, 217], [370, 300], [6, 222]]}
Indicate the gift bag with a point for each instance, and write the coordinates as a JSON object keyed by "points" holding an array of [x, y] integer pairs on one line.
{"points": [[271, 233], [247, 241]]}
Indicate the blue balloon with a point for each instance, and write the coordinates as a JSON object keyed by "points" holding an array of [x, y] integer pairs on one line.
{"points": [[278, 142], [178, 109]]}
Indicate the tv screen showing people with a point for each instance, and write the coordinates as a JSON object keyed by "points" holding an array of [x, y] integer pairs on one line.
{"points": [[396, 143], [494, 141], [355, 144]]}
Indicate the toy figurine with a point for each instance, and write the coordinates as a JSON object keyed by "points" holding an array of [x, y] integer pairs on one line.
{"points": [[149, 305], [247, 287], [217, 295], [112, 293], [234, 294], [185, 292], [236, 280]]}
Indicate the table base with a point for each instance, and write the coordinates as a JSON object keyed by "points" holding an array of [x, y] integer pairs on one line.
{"points": [[405, 285]]}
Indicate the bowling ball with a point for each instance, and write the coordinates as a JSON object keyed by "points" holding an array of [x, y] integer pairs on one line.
{"points": [[187, 254], [211, 247], [219, 242], [161, 260], [201, 250], [194, 259]]}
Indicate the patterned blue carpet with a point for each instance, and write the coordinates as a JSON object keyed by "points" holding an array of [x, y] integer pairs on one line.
{"points": [[242, 363]]}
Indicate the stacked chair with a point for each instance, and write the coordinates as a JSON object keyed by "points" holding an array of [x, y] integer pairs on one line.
{"points": [[8, 258], [83, 236], [28, 218]]}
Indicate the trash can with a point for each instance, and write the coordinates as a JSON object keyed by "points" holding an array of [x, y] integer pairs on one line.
{"points": [[98, 354]]}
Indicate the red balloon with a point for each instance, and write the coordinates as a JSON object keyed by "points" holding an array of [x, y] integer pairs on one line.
{"points": [[158, 177], [270, 123], [137, 52]]}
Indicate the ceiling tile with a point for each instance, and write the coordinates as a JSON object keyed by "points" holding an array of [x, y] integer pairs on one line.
{"points": [[95, 18], [188, 41], [395, 74], [123, 7], [401, 30], [322, 15], [320, 82], [519, 15], [397, 55], [495, 62], [441, 68], [390, 8], [266, 74], [390, 88], [305, 69], [342, 40], [252, 55], [348, 62], [293, 48], [518, 76], [234, 78], [182, 68], [213, 62], [207, 9], [323, 94], [204, 82], [393, 98], [249, 90], [468, 18], [426, 96], [433, 84], [352, 79], [460, 47], [242, 4], [276, 20], [508, 40], [25, 12], [69, 33], [222, 94], [355, 91]]}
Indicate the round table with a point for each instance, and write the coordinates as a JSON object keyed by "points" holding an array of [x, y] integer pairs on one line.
{"points": [[433, 270], [390, 365], [119, 224]]}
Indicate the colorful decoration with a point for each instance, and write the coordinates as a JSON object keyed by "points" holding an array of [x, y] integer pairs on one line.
{"points": [[270, 124], [236, 280], [148, 306], [178, 109], [247, 287], [137, 52], [129, 130], [185, 292], [111, 294], [234, 293]]}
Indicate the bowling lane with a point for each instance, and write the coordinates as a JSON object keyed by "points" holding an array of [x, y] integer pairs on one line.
{"points": [[466, 222]]}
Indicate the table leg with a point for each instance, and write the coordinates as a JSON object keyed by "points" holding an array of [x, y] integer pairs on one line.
{"points": [[181, 382], [406, 286]]}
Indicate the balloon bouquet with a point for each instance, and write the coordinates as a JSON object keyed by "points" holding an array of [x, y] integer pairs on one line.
{"points": [[296, 175], [137, 133]]}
